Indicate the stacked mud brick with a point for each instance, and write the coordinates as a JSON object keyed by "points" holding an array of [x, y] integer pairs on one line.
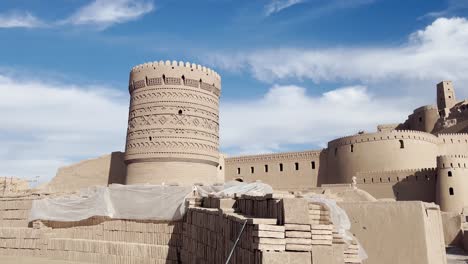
{"points": [[211, 231], [14, 210], [15, 236], [351, 254], [99, 240], [278, 229]]}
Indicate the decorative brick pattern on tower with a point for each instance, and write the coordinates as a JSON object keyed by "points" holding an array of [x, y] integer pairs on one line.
{"points": [[173, 124]]}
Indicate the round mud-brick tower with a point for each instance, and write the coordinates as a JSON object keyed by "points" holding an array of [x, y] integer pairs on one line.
{"points": [[452, 175], [173, 124]]}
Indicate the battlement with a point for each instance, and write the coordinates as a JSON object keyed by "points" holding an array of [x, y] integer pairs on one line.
{"points": [[385, 135], [397, 171], [393, 176], [274, 157], [188, 65], [452, 161]]}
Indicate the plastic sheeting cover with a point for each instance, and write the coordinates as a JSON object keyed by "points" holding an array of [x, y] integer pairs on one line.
{"points": [[234, 187], [137, 202], [143, 202]]}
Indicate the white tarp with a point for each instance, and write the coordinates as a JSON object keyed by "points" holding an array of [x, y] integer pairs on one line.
{"points": [[138, 202], [143, 202], [235, 187]]}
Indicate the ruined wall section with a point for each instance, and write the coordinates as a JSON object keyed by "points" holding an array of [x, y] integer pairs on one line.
{"points": [[385, 151], [173, 124], [289, 170], [453, 177], [423, 119]]}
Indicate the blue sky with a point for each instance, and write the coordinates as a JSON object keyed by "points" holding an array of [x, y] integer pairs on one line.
{"points": [[303, 71]]}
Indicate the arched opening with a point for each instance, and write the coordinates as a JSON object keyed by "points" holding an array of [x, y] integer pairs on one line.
{"points": [[239, 180], [313, 165], [252, 169], [352, 148], [150, 138], [449, 173], [183, 79], [238, 170], [164, 78], [180, 111], [451, 191], [364, 180], [266, 168], [220, 167], [281, 166], [296, 165], [402, 144]]}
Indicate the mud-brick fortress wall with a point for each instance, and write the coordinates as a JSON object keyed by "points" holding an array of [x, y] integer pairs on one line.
{"points": [[400, 164], [385, 151], [288, 171], [173, 124]]}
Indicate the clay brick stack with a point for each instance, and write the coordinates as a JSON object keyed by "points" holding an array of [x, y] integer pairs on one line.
{"points": [[321, 225], [337, 237], [351, 253], [14, 211], [269, 237], [298, 237]]}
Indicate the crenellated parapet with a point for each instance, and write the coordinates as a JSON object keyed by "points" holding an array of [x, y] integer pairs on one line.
{"points": [[285, 156], [383, 136], [452, 161], [177, 74], [393, 176], [454, 138]]}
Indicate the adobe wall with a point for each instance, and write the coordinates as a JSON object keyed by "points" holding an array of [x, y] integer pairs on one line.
{"points": [[93, 172], [173, 123], [384, 151], [283, 171], [451, 192], [453, 144], [398, 232], [404, 185]]}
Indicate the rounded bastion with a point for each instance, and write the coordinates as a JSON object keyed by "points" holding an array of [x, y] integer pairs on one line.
{"points": [[452, 173], [173, 124], [381, 151]]}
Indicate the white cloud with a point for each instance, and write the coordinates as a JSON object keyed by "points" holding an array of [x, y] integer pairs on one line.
{"points": [[453, 6], [440, 51], [44, 126], [104, 13], [276, 6], [19, 20], [287, 115]]}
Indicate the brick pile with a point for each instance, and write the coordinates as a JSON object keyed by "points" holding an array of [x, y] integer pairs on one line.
{"points": [[14, 210], [278, 229], [351, 253]]}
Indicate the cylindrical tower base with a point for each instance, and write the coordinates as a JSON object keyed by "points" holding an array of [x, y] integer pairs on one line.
{"points": [[452, 176], [171, 172]]}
